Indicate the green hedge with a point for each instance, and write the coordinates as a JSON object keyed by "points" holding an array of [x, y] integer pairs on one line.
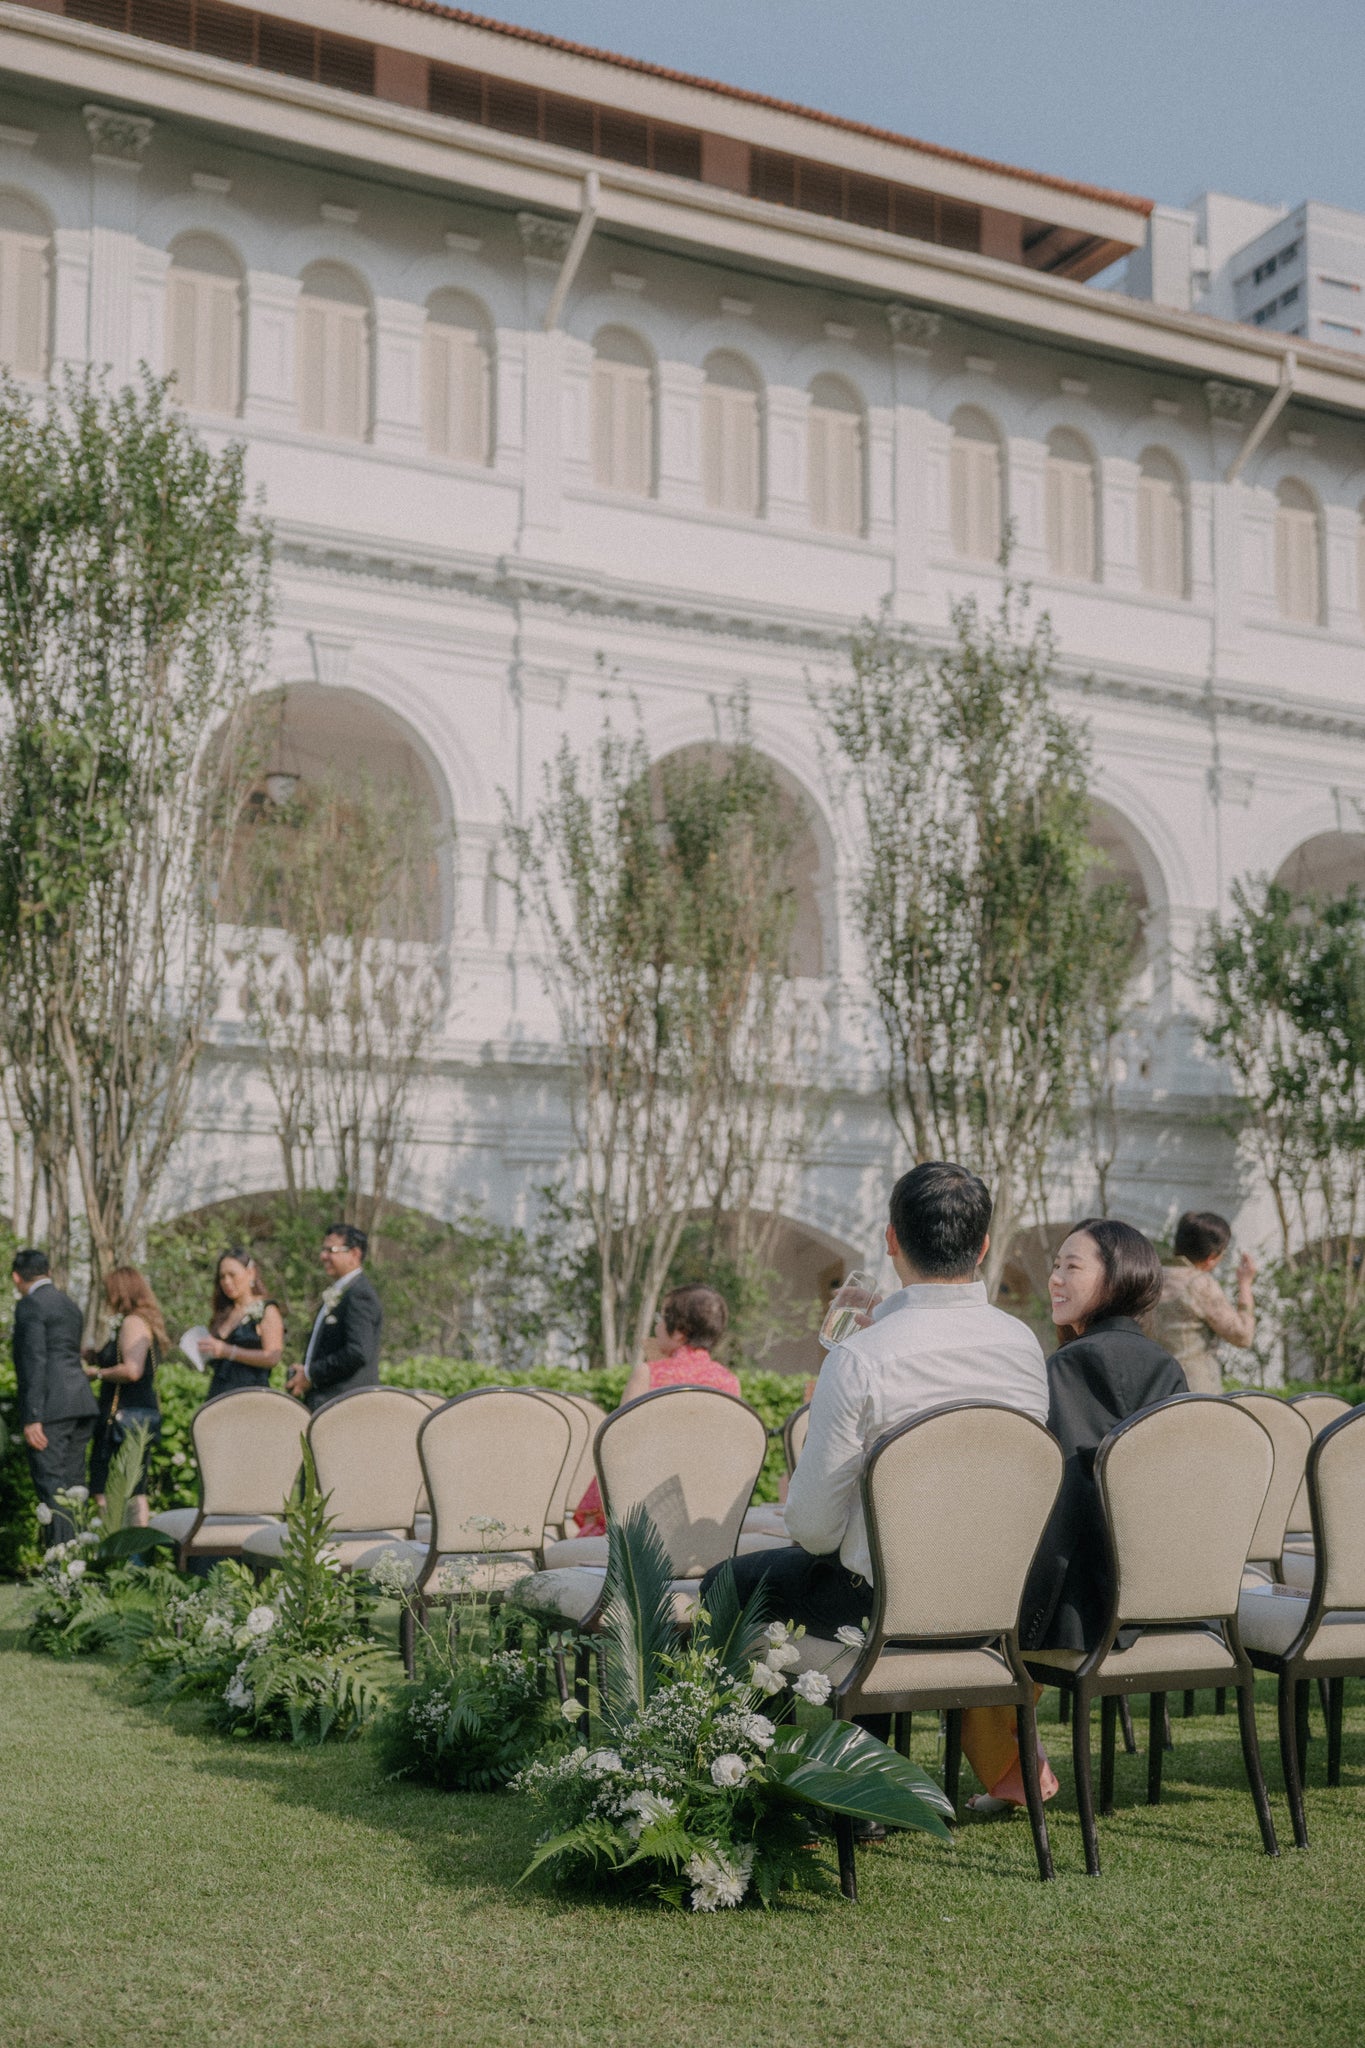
{"points": [[173, 1481]]}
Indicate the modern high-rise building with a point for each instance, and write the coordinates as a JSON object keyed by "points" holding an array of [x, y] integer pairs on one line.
{"points": [[575, 386]]}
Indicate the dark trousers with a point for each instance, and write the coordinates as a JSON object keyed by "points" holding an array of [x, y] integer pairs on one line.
{"points": [[816, 1593], [60, 1466]]}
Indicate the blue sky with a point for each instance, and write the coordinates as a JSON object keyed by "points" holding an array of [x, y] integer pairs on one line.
{"points": [[1158, 97]]}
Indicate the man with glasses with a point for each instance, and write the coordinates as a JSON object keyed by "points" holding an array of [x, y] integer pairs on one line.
{"points": [[343, 1348]]}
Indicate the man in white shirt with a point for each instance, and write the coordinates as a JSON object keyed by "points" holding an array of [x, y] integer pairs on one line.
{"points": [[936, 1340]]}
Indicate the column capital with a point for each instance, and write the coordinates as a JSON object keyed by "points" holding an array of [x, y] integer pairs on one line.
{"points": [[543, 239], [117, 137], [914, 327], [1230, 403]]}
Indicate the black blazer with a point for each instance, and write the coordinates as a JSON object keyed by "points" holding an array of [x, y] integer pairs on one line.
{"points": [[346, 1355], [47, 1357], [1094, 1383]]}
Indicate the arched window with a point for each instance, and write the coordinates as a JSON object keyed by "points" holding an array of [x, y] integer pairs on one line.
{"points": [[1298, 573], [974, 486], [1161, 525], [204, 324], [836, 457], [24, 288], [1070, 506], [730, 477], [622, 413], [334, 354], [458, 384]]}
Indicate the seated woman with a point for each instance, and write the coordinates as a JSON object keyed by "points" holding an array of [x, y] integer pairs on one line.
{"points": [[1105, 1275], [246, 1331], [690, 1320]]}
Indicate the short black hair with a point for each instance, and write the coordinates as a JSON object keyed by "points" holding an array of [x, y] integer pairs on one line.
{"points": [[30, 1264], [1199, 1234], [351, 1235], [940, 1214], [1132, 1269], [697, 1313]]}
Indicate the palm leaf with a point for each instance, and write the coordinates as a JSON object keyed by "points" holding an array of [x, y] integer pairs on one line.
{"points": [[124, 1471], [637, 1619], [840, 1768], [732, 1632]]}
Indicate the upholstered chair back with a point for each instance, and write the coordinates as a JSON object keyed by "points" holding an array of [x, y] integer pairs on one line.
{"points": [[580, 1444], [692, 1456], [1319, 1411], [957, 1501], [794, 1435], [492, 1461], [429, 1400], [248, 1445], [1183, 1487], [1337, 1476], [584, 1471], [1290, 1433], [365, 1445]]}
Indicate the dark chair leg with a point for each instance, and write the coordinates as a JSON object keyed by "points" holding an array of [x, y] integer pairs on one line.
{"points": [[1336, 1699], [1026, 1727], [1126, 1723], [848, 1869], [952, 1755], [1301, 1729], [1289, 1761], [1085, 1794], [1156, 1746], [1063, 1708], [1109, 1708], [1220, 1700], [903, 1734], [1251, 1757], [1323, 1698], [1189, 1705]]}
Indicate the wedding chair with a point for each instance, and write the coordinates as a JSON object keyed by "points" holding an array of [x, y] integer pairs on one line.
{"points": [[1319, 1634], [364, 1445], [585, 1471], [794, 1435], [247, 1448], [1181, 1489], [692, 1456], [949, 1580], [1319, 1411], [564, 1499], [421, 1521]]}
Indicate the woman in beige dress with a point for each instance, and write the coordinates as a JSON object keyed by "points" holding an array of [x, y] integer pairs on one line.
{"points": [[1194, 1316]]}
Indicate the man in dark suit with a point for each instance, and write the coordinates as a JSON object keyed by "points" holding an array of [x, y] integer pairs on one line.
{"points": [[56, 1407], [343, 1350]]}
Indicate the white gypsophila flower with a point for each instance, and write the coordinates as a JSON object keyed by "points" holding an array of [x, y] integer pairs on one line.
{"points": [[79, 1494], [728, 1770], [777, 1632], [237, 1696], [784, 1657], [765, 1680], [571, 1709], [759, 1730], [215, 1627], [813, 1687], [76, 1568], [44, 1513], [602, 1763], [853, 1637], [394, 1572], [260, 1621]]}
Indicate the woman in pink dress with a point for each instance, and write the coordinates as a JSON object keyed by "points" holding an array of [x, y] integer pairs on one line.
{"points": [[689, 1322]]}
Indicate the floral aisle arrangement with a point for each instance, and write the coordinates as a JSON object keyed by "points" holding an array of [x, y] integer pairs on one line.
{"points": [[290, 1659], [693, 1792], [481, 1704], [89, 1593]]}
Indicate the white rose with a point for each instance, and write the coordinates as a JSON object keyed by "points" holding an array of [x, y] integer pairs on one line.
{"points": [[784, 1656], [78, 1493], [854, 1637], [260, 1621], [728, 1770], [765, 1680], [813, 1687], [44, 1513], [759, 1730], [777, 1632], [76, 1568]]}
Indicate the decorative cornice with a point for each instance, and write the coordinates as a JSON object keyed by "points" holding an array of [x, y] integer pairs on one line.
{"points": [[1229, 402], [914, 327], [331, 658], [117, 137], [544, 239]]}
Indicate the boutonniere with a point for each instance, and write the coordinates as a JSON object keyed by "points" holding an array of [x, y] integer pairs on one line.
{"points": [[331, 1296]]}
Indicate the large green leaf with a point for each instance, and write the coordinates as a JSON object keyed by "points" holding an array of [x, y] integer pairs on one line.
{"points": [[732, 1631], [842, 1769], [129, 1542], [637, 1618]]}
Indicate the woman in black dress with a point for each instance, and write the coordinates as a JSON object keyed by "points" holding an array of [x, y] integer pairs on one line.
{"points": [[246, 1331], [124, 1372]]}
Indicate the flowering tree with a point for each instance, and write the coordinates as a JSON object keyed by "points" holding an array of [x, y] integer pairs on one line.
{"points": [[134, 604], [996, 955]]}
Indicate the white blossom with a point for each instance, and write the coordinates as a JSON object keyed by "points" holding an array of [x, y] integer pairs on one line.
{"points": [[777, 1632], [643, 1809], [854, 1637], [43, 1512], [728, 1770], [76, 1568], [765, 1680], [177, 1457], [784, 1656], [79, 1494], [215, 1626], [716, 1881], [602, 1763], [237, 1695], [571, 1709], [260, 1621], [813, 1687], [759, 1730]]}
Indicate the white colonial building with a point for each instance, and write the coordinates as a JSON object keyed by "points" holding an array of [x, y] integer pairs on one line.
{"points": [[570, 380]]}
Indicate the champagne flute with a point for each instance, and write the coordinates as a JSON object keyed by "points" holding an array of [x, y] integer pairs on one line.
{"points": [[850, 1307]]}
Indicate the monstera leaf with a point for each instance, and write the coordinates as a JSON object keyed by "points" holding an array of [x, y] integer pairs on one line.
{"points": [[840, 1768]]}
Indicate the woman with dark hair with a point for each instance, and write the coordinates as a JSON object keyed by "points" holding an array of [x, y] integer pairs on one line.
{"points": [[246, 1331], [1104, 1277], [1194, 1317], [124, 1372]]}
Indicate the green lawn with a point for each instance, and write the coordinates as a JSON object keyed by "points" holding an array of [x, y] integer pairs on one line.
{"points": [[164, 1886]]}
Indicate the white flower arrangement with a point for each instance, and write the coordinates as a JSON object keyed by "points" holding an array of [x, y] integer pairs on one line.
{"points": [[728, 1770], [76, 1568], [44, 1514], [813, 1687], [260, 1621]]}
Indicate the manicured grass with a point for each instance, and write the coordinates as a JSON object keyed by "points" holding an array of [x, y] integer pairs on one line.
{"points": [[164, 1886]]}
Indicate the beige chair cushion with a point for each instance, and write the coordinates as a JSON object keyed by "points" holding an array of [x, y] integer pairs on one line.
{"points": [[1299, 1568], [1271, 1620], [574, 1551], [229, 1534], [175, 1522], [1155, 1656], [572, 1594], [950, 1678], [757, 1539], [463, 1578], [767, 1519], [347, 1546]]}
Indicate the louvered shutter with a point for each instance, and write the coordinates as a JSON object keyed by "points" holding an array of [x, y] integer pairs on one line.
{"points": [[1070, 517], [1161, 536]]}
